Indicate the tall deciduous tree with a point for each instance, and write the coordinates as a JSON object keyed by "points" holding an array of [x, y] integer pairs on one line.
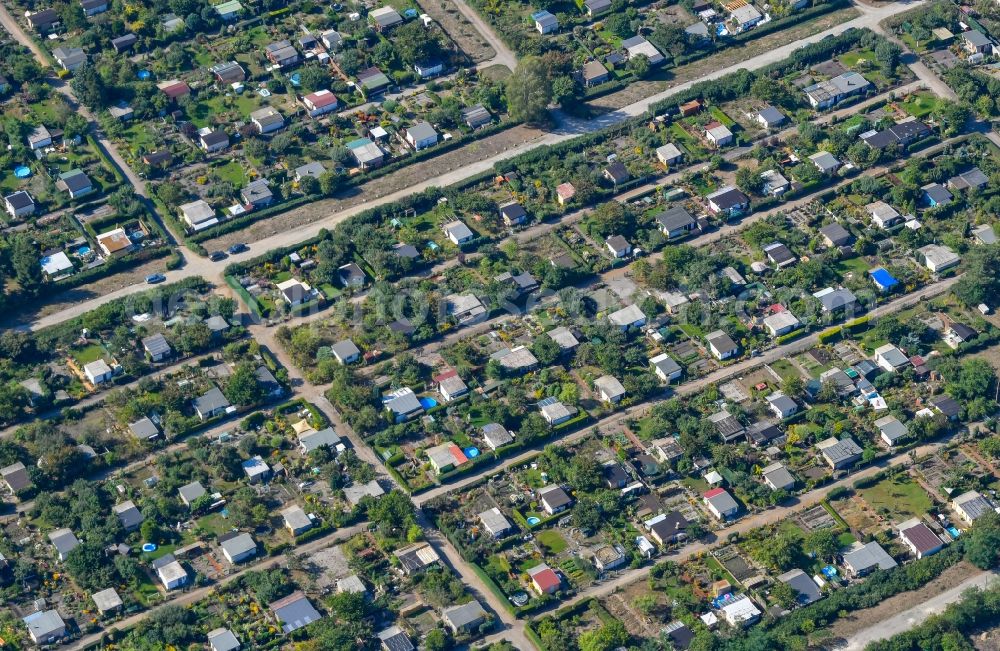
{"points": [[529, 91]]}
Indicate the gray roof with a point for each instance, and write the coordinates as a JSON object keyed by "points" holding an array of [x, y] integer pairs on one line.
{"points": [[771, 115], [869, 556], [403, 403], [217, 323], [190, 492], [106, 600], [394, 639], [315, 440], [43, 624], [156, 345], [799, 581], [836, 233], [666, 364], [840, 451], [314, 169], [610, 386], [465, 615], [836, 299], [421, 131], [554, 496], [976, 38], [891, 428], [294, 611], [778, 475], [345, 349], [782, 402], [222, 639], [721, 341], [458, 229], [497, 434], [355, 492], [128, 514], [296, 517], [212, 400], [674, 218], [495, 521], [238, 544], [256, 190], [64, 541]]}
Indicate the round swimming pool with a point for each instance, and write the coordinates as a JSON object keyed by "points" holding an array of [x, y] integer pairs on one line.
{"points": [[22, 171], [149, 547], [428, 403], [143, 75], [533, 521]]}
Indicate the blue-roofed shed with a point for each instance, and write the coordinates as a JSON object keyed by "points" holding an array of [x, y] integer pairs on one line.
{"points": [[883, 279]]}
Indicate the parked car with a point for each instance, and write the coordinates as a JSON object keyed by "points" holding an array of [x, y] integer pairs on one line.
{"points": [[152, 279], [238, 248], [215, 256]]}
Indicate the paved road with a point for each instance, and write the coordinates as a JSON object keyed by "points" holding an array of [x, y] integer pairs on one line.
{"points": [[911, 617]]}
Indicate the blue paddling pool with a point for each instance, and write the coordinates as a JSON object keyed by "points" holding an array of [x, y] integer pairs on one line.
{"points": [[428, 403], [143, 75], [295, 78], [472, 453], [533, 521], [22, 171], [149, 547]]}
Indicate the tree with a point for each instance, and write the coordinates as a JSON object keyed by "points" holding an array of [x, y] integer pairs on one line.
{"points": [[564, 89], [981, 280], [748, 179], [88, 86], [887, 54], [784, 594], [529, 91], [393, 510], [416, 44], [242, 388], [545, 350], [609, 636], [823, 543], [982, 542], [619, 25], [639, 66], [437, 639], [24, 260]]}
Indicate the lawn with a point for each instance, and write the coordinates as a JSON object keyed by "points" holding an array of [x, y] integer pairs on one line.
{"points": [[785, 369], [851, 59], [214, 523], [920, 104], [88, 354], [901, 497], [552, 541], [232, 172], [721, 116], [856, 265]]}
